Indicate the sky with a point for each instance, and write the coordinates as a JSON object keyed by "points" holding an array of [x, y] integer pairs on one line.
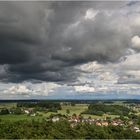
{"points": [[70, 50]]}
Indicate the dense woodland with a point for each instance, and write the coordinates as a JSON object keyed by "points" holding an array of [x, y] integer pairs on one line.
{"points": [[100, 109], [40, 104], [62, 130]]}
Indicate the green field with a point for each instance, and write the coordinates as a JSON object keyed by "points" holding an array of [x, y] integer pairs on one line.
{"points": [[19, 117], [7, 105], [77, 109]]}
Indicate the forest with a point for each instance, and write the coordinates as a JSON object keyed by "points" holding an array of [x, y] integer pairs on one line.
{"points": [[100, 109], [62, 130], [44, 104]]}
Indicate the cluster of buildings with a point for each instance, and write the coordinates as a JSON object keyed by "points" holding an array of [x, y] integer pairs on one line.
{"points": [[74, 120], [29, 111], [136, 129], [98, 122]]}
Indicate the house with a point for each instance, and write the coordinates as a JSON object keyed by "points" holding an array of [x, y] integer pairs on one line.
{"points": [[136, 129], [98, 124], [55, 119], [105, 123], [84, 120], [26, 111], [75, 119], [33, 115], [91, 121], [114, 123]]}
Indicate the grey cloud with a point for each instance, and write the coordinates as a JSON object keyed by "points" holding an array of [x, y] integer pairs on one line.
{"points": [[36, 41], [101, 40]]}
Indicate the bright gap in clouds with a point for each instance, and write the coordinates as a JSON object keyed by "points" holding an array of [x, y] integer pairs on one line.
{"points": [[136, 42], [91, 13]]}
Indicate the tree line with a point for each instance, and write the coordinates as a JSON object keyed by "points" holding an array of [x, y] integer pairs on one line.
{"points": [[43, 104], [100, 109]]}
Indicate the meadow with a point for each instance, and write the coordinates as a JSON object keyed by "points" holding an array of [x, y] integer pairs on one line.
{"points": [[76, 109]]}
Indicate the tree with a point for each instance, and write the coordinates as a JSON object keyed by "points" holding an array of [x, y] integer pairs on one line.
{"points": [[17, 111], [72, 104], [4, 112], [68, 111]]}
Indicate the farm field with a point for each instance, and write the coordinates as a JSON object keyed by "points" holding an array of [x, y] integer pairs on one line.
{"points": [[19, 117], [77, 109], [7, 105]]}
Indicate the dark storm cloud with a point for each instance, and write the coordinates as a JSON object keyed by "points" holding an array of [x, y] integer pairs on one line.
{"points": [[45, 40]]}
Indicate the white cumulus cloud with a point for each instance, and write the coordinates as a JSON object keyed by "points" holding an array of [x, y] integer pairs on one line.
{"points": [[91, 13], [135, 42], [17, 89], [84, 88], [27, 89]]}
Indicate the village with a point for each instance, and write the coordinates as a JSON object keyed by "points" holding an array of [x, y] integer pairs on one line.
{"points": [[75, 120]]}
